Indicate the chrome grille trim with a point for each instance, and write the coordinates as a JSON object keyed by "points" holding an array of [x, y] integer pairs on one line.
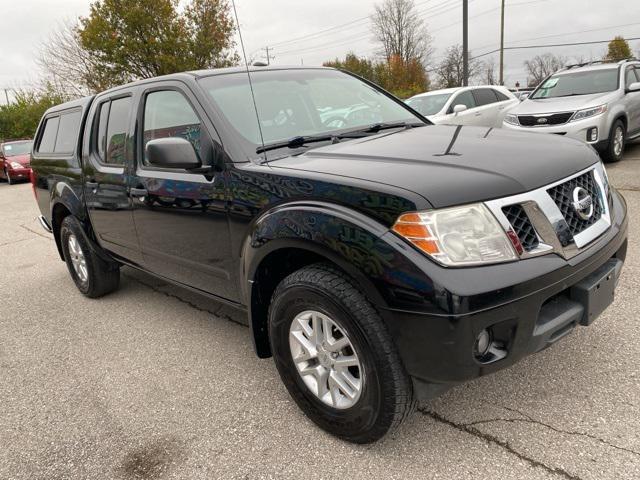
{"points": [[548, 221]]}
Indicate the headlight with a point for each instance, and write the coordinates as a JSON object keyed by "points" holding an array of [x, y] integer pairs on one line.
{"points": [[588, 112], [16, 165], [511, 119], [458, 236]]}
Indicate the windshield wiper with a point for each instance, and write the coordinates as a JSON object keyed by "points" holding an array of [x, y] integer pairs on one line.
{"points": [[302, 140], [297, 142]]}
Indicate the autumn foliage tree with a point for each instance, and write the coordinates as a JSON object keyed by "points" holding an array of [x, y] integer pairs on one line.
{"points": [[619, 49], [402, 78]]}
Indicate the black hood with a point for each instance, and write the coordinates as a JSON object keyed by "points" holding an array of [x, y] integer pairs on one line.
{"points": [[450, 165]]}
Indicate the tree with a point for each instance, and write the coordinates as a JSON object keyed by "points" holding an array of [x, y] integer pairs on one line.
{"points": [[124, 40], [69, 69], [489, 72], [354, 64], [401, 78], [449, 70], [541, 66], [401, 31], [619, 49], [20, 118]]}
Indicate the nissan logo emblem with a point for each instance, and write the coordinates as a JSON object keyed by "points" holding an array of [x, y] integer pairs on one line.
{"points": [[582, 203], [543, 120]]}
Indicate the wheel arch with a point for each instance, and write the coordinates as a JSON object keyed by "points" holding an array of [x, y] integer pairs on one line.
{"points": [[278, 246]]}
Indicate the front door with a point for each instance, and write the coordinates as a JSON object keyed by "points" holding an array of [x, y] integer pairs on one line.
{"points": [[632, 101], [105, 176], [181, 216]]}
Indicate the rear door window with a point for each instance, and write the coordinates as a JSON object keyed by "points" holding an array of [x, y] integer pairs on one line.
{"points": [[484, 96], [48, 140], [168, 113], [68, 131], [111, 132]]}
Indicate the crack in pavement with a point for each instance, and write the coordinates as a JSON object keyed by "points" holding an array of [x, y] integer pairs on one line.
{"points": [[14, 241], [529, 419], [492, 439], [48, 237], [217, 313], [628, 189]]}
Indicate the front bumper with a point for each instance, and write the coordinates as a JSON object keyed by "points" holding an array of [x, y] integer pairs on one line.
{"points": [[19, 173], [577, 130], [530, 312]]}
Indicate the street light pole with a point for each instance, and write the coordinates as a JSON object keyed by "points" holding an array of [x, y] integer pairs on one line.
{"points": [[465, 42], [502, 45]]}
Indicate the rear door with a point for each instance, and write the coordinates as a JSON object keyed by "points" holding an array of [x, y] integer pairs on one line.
{"points": [[107, 162], [487, 106], [181, 216]]}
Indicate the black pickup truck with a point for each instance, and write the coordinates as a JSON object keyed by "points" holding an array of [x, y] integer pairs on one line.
{"points": [[379, 259]]}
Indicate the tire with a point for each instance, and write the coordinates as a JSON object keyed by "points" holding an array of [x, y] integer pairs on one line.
{"points": [[615, 151], [8, 178], [98, 277], [385, 396]]}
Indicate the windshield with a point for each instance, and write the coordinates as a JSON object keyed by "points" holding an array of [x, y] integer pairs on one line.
{"points": [[16, 148], [429, 104], [579, 83], [305, 102]]}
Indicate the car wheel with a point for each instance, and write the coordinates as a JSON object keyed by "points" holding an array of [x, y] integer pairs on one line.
{"points": [[336, 357], [8, 178], [93, 276], [615, 149]]}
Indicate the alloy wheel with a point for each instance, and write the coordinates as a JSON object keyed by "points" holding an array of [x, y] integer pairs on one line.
{"points": [[326, 359], [77, 258], [618, 141]]}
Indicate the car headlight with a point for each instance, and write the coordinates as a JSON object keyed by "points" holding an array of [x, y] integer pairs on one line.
{"points": [[588, 112], [511, 119], [458, 236], [16, 165]]}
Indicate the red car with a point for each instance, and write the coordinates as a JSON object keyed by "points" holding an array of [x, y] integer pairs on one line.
{"points": [[15, 160]]}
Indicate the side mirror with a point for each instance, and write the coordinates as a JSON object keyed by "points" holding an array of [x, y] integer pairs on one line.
{"points": [[634, 87], [459, 108], [172, 152]]}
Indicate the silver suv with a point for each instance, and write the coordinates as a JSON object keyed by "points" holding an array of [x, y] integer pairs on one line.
{"points": [[598, 104]]}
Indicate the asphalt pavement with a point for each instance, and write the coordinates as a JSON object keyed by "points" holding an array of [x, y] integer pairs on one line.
{"points": [[153, 382]]}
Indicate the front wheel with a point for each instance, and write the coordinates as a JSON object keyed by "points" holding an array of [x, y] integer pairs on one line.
{"points": [[93, 276], [8, 177], [615, 149], [336, 357]]}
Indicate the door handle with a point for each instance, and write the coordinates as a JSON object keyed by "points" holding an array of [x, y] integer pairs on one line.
{"points": [[92, 185], [138, 192], [478, 114]]}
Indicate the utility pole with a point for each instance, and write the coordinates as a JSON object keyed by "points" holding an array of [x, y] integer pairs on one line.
{"points": [[6, 94], [502, 45], [269, 57], [465, 43]]}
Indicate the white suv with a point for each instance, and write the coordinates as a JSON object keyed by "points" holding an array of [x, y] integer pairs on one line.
{"points": [[598, 104], [483, 106]]}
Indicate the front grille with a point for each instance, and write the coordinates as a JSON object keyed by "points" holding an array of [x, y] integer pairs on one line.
{"points": [[544, 120], [522, 226], [562, 195]]}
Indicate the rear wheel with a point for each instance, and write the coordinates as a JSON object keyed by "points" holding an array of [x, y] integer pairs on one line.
{"points": [[93, 276], [336, 357], [615, 149]]}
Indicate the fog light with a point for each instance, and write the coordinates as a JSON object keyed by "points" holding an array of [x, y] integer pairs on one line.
{"points": [[483, 342], [592, 134]]}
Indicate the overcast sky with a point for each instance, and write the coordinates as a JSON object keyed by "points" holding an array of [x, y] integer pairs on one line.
{"points": [[282, 23]]}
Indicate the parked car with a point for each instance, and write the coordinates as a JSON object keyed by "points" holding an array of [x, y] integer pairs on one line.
{"points": [[377, 264], [596, 103], [480, 106], [15, 160]]}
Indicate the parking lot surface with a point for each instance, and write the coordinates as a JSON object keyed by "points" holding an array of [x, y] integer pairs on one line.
{"points": [[153, 382]]}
